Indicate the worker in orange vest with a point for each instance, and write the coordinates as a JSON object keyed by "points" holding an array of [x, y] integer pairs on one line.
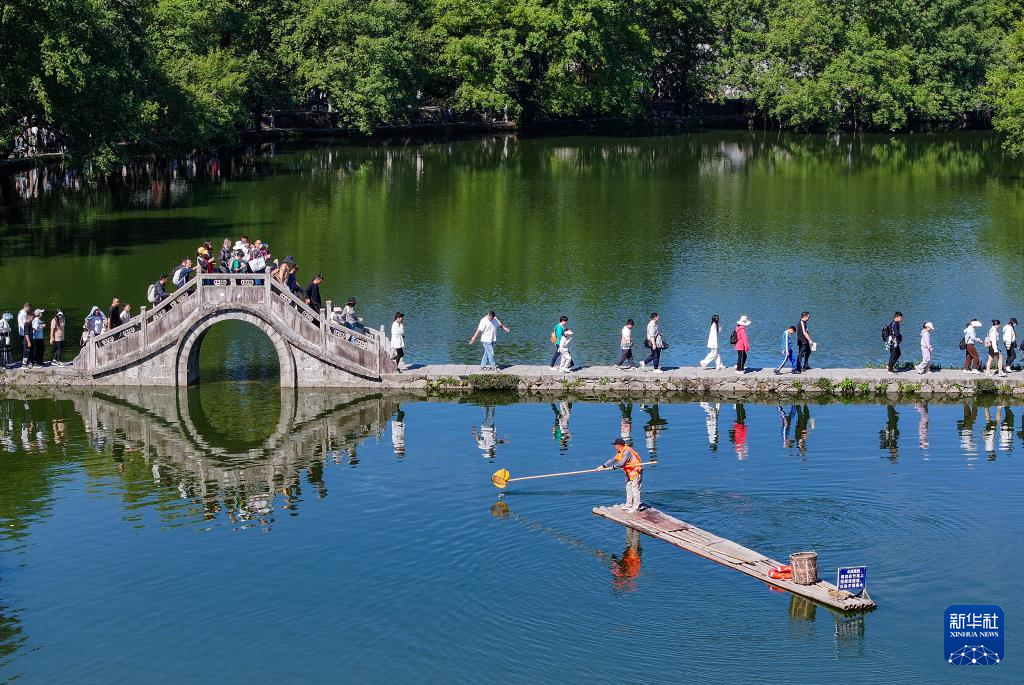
{"points": [[628, 460]]}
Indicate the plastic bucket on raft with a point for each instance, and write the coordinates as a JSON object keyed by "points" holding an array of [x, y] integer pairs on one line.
{"points": [[805, 567]]}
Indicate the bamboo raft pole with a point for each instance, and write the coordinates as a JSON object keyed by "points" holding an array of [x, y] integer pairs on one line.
{"points": [[730, 554]]}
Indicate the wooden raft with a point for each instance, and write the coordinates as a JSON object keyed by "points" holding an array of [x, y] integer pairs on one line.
{"points": [[728, 553]]}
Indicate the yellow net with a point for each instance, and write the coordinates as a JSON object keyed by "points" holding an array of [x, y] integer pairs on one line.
{"points": [[500, 478]]}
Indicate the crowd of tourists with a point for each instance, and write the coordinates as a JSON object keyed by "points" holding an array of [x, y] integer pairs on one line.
{"points": [[33, 333], [797, 345]]}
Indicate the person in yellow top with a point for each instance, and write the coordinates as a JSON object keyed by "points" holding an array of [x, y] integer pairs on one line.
{"points": [[628, 460]]}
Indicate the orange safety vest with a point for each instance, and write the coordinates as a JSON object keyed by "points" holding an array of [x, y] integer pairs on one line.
{"points": [[631, 466]]}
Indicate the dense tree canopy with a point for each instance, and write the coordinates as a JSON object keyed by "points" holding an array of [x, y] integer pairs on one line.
{"points": [[114, 77]]}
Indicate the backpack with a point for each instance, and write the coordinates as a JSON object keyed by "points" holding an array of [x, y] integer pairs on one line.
{"points": [[886, 332], [151, 293], [963, 343], [733, 337]]}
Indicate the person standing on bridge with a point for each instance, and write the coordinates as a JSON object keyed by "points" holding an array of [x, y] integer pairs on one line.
{"points": [[114, 315], [487, 331], [628, 460], [23, 316], [225, 256], [183, 273], [26, 342], [57, 338], [350, 319], [398, 339], [313, 293], [38, 337]]}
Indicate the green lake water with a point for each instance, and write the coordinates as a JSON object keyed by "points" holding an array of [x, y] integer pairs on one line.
{"points": [[236, 533], [598, 229]]}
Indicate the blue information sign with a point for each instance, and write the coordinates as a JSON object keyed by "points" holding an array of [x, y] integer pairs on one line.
{"points": [[853, 579]]}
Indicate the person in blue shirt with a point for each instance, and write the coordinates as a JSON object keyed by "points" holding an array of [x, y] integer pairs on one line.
{"points": [[787, 350]]}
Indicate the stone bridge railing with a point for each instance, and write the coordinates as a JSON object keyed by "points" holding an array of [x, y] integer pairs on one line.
{"points": [[211, 296]]}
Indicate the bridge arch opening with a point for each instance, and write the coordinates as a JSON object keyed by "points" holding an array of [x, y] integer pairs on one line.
{"points": [[241, 348]]}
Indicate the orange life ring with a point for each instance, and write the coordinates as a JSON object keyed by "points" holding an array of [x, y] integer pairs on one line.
{"points": [[781, 573]]}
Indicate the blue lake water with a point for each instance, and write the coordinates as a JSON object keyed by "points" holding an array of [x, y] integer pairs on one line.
{"points": [[332, 538]]}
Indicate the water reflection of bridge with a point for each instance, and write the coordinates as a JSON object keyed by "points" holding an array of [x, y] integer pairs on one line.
{"points": [[161, 425]]}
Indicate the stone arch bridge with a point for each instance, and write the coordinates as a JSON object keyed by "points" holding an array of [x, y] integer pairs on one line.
{"points": [[161, 345]]}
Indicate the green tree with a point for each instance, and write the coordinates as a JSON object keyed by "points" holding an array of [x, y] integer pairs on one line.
{"points": [[367, 54], [1006, 89]]}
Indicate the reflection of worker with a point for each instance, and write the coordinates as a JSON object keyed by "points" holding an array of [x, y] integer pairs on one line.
{"points": [[626, 568], [628, 460]]}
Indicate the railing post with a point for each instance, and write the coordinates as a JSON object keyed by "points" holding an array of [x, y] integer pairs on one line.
{"points": [[381, 349], [199, 290], [92, 350], [323, 329], [143, 329], [266, 290]]}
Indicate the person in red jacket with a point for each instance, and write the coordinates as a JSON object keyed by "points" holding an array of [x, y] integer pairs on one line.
{"points": [[742, 344]]}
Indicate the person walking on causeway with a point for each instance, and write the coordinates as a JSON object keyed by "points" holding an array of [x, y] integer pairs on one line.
{"points": [[628, 460], [740, 343]]}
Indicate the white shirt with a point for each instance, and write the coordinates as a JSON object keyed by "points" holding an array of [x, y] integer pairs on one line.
{"points": [[563, 344], [652, 330], [1009, 334], [22, 318], [627, 338], [488, 329], [992, 339], [713, 337], [397, 334]]}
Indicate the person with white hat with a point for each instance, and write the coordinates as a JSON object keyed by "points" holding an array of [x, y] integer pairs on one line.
{"points": [[57, 338], [972, 362], [564, 358], [38, 337], [741, 343], [926, 347]]}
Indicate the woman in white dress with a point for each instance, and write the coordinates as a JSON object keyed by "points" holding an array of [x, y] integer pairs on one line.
{"points": [[713, 355], [398, 339]]}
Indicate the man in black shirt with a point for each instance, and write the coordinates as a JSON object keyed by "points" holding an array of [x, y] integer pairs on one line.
{"points": [[895, 338], [803, 344], [114, 315], [313, 293]]}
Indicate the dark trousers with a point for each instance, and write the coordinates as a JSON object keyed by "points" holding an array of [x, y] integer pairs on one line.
{"points": [[1011, 355], [894, 356], [655, 358], [27, 355], [972, 360], [624, 356], [741, 360], [37, 351], [554, 357], [58, 351], [803, 356]]}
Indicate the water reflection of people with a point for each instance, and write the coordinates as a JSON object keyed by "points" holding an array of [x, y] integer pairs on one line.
{"points": [[487, 436], [626, 422], [922, 425], [711, 419], [991, 426], [738, 432], [965, 428], [560, 428], [888, 437], [787, 421], [804, 424], [398, 433], [626, 568], [1006, 430], [653, 428]]}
